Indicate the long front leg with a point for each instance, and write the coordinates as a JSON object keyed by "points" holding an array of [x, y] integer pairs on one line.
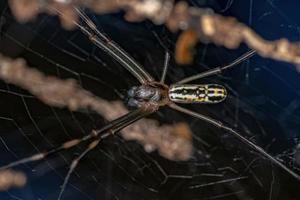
{"points": [[111, 48], [102, 133]]}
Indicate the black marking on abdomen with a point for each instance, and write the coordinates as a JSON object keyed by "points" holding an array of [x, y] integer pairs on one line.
{"points": [[208, 93]]}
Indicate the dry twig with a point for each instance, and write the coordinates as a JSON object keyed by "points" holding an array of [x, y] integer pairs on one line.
{"points": [[227, 31], [210, 27], [10, 178], [136, 10], [172, 142]]}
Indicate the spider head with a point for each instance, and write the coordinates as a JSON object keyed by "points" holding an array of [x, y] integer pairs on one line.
{"points": [[138, 96], [149, 96]]}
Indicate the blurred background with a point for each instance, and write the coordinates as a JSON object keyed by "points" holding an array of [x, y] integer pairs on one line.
{"points": [[263, 105]]}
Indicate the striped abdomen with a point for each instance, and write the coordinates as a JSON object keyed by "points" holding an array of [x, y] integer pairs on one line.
{"points": [[208, 93]]}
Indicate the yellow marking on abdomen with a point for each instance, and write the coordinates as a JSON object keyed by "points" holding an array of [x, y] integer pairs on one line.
{"points": [[208, 93]]}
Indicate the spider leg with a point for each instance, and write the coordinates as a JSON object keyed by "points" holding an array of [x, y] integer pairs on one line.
{"points": [[218, 70], [109, 129], [118, 125], [74, 164], [237, 135], [111, 48], [166, 64], [40, 156]]}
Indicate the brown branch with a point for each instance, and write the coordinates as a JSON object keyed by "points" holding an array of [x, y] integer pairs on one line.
{"points": [[10, 178], [210, 27], [172, 142], [136, 10], [230, 33]]}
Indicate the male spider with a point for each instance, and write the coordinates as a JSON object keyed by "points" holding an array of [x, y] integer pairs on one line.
{"points": [[149, 97]]}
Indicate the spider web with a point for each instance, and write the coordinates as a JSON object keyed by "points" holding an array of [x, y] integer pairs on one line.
{"points": [[263, 104]]}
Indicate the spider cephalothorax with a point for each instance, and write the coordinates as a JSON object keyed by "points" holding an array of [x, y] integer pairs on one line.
{"points": [[148, 96]]}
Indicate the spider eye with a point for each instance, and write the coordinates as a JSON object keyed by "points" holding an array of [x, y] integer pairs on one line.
{"points": [[132, 91]]}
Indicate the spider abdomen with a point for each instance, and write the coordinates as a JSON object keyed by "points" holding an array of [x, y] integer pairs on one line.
{"points": [[189, 93]]}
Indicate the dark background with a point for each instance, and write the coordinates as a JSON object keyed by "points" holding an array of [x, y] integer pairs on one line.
{"points": [[263, 104]]}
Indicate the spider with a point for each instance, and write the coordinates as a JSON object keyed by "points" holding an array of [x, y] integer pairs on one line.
{"points": [[149, 97]]}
